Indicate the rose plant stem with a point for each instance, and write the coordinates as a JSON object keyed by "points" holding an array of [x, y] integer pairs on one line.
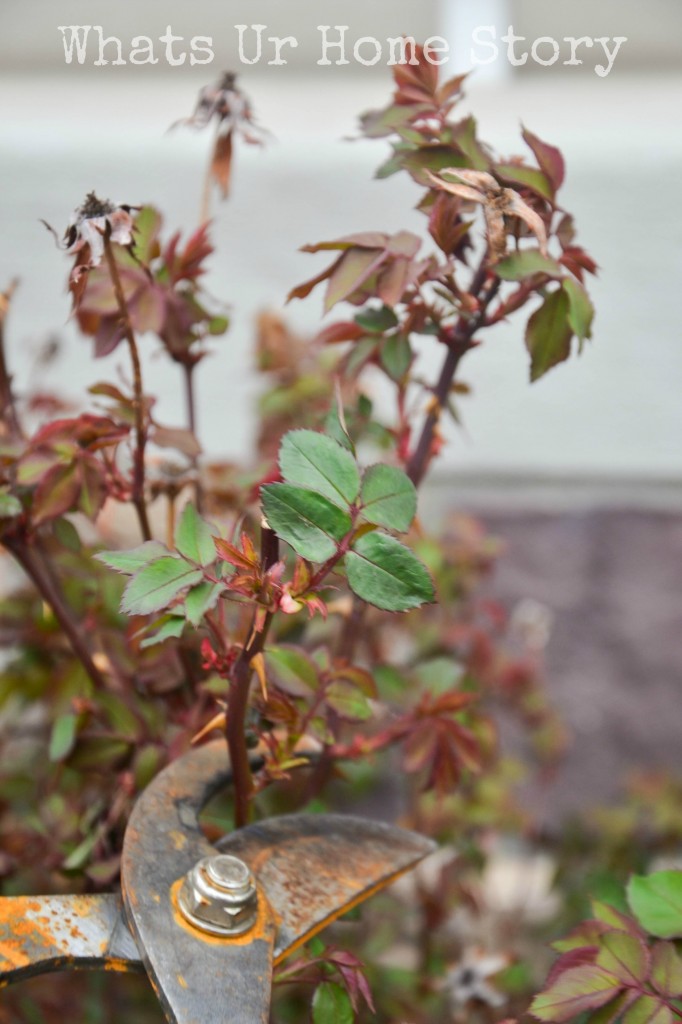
{"points": [[238, 696], [51, 593], [459, 342], [138, 404]]}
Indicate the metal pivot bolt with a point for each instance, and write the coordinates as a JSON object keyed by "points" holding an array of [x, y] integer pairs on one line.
{"points": [[219, 896]]}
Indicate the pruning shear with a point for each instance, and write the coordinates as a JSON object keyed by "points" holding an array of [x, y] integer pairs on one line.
{"points": [[208, 923]]}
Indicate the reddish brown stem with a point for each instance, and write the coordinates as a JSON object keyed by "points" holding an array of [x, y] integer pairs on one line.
{"points": [[50, 591], [190, 403], [238, 697], [459, 342], [138, 403]]}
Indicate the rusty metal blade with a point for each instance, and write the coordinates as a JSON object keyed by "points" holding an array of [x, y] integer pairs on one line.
{"points": [[49, 933], [314, 868], [198, 978], [309, 869]]}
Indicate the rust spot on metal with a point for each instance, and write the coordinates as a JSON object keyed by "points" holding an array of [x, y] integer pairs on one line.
{"points": [[178, 839], [262, 929], [336, 914], [181, 981]]}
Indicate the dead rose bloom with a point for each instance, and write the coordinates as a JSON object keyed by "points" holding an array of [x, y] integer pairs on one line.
{"points": [[88, 225], [225, 104]]}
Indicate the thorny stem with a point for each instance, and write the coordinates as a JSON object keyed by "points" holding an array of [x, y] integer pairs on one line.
{"points": [[459, 344], [188, 369], [49, 590], [138, 404], [238, 697]]}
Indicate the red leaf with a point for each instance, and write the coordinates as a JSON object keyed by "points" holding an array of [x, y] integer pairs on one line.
{"points": [[229, 553], [344, 330], [549, 158], [93, 491], [57, 493], [352, 270], [302, 291], [416, 83]]}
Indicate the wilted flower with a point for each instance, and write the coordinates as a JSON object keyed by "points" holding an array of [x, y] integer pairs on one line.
{"points": [[497, 202], [226, 104], [90, 223], [467, 980]]}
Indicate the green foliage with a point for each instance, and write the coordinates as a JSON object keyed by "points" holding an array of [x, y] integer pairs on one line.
{"points": [[549, 334], [389, 498], [332, 1005], [194, 537], [318, 463], [612, 966], [385, 573], [155, 585], [310, 523], [656, 902]]}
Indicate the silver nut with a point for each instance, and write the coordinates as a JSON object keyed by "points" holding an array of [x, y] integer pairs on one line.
{"points": [[219, 896]]}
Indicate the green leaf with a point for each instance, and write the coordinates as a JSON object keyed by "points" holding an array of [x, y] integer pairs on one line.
{"points": [[625, 956], [318, 463], [80, 855], [172, 626], [335, 428], [648, 1010], [63, 738], [388, 575], [194, 537], [157, 584], [548, 334], [438, 675], [656, 902], [348, 701], [580, 308], [67, 534], [332, 1005], [295, 670], [218, 325], [201, 599], [525, 263], [359, 355], [313, 526], [574, 991], [613, 917], [396, 356], [9, 506], [148, 761], [376, 321], [528, 176], [611, 1011], [666, 970], [145, 237], [129, 562], [389, 497]]}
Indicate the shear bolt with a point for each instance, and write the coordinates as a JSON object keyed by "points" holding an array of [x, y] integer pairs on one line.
{"points": [[219, 896]]}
